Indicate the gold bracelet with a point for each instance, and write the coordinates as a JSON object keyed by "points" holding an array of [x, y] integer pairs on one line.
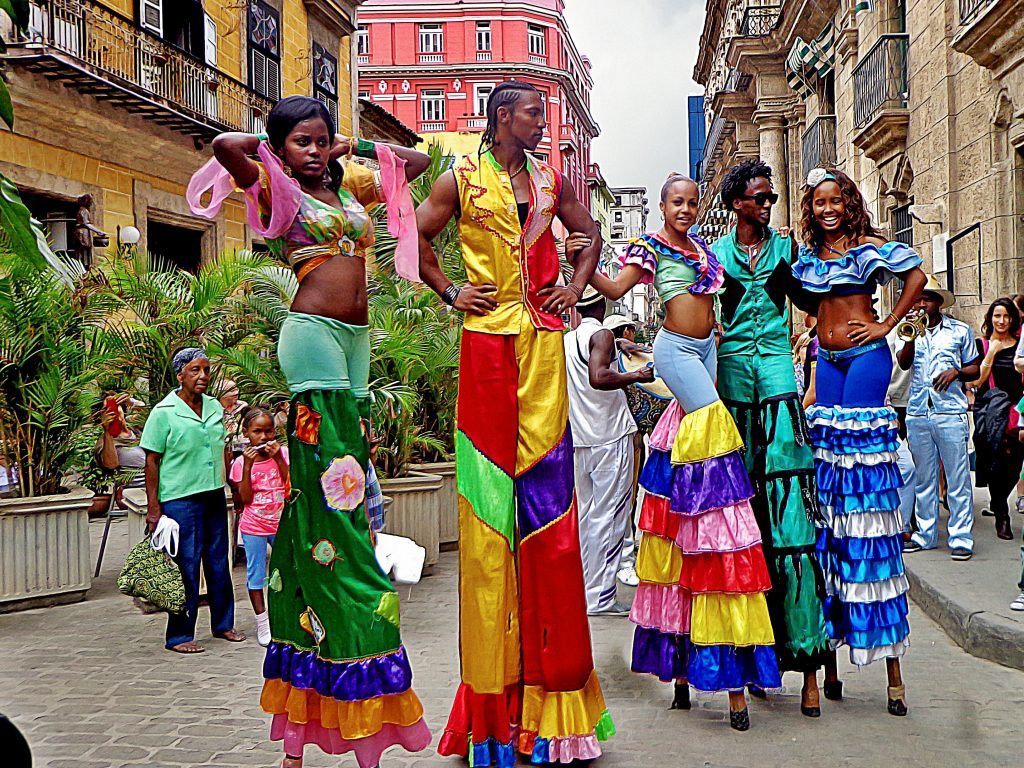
{"points": [[895, 320]]}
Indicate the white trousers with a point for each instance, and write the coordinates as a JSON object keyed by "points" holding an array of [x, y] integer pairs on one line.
{"points": [[604, 487], [905, 462]]}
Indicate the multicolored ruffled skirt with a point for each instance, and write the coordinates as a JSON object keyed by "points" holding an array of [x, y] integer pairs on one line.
{"points": [[860, 547], [700, 608]]}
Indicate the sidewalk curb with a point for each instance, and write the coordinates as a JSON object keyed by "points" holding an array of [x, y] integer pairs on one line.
{"points": [[980, 633]]}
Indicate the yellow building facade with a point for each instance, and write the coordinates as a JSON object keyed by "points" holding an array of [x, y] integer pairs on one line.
{"points": [[120, 99]]}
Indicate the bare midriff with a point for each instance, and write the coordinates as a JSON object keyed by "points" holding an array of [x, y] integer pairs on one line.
{"points": [[335, 289], [835, 314], [690, 315]]}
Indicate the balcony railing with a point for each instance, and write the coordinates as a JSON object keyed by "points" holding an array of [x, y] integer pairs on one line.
{"points": [[880, 79], [759, 20], [483, 55], [711, 144], [432, 127], [431, 58], [536, 58], [971, 9], [819, 144], [471, 123], [363, 58], [121, 59]]}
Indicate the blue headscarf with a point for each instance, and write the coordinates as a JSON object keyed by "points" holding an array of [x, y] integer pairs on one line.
{"points": [[185, 356]]}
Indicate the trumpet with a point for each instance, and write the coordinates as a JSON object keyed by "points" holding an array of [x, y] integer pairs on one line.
{"points": [[912, 326]]}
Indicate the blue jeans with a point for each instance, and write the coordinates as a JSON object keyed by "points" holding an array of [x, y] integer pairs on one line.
{"points": [[203, 537], [688, 367], [942, 435]]}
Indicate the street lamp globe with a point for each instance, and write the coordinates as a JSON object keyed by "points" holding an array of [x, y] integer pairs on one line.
{"points": [[129, 235]]}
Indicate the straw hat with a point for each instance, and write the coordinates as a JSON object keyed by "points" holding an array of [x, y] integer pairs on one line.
{"points": [[934, 286], [617, 321]]}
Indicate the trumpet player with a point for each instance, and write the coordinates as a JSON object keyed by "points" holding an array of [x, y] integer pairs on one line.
{"points": [[941, 358]]}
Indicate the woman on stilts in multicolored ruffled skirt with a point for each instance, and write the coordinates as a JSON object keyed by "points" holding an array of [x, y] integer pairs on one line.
{"points": [[337, 674], [700, 609], [853, 429]]}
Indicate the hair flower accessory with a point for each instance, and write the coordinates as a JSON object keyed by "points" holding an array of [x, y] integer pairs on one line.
{"points": [[818, 175]]}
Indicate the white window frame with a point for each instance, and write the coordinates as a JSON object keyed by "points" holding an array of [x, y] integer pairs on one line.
{"points": [[156, 27], [432, 109], [363, 40], [483, 36], [478, 92], [431, 38], [537, 40], [210, 40]]}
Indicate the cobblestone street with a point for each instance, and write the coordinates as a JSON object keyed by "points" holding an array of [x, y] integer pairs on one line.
{"points": [[92, 687]]}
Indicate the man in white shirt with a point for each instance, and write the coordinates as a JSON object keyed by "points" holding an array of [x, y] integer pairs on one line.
{"points": [[602, 433]]}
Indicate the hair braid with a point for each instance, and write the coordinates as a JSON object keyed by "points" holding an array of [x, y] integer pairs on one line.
{"points": [[506, 94]]}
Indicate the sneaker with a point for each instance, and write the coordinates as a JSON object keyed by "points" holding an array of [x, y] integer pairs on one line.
{"points": [[961, 553], [911, 546], [615, 609], [628, 576], [1018, 604], [1020, 504], [263, 629]]}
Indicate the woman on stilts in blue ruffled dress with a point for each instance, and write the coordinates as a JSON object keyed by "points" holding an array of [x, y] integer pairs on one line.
{"points": [[853, 429]]}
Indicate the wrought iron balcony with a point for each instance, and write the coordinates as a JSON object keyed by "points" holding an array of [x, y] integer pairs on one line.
{"points": [[880, 80], [970, 9], [93, 50], [819, 143], [760, 20]]}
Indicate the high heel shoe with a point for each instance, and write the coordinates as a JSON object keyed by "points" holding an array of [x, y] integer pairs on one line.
{"points": [[739, 721], [833, 690], [681, 699], [897, 705]]}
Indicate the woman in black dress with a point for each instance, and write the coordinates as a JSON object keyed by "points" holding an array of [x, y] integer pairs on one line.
{"points": [[999, 388]]}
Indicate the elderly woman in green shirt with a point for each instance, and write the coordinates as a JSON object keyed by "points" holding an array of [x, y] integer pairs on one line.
{"points": [[184, 444]]}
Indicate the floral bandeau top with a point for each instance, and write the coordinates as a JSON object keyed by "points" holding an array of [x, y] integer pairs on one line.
{"points": [[859, 270], [320, 229], [675, 271]]}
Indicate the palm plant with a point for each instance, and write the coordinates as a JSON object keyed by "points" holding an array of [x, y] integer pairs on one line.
{"points": [[53, 349], [157, 309]]}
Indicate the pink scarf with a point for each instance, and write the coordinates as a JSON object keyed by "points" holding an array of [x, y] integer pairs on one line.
{"points": [[284, 191], [287, 196]]}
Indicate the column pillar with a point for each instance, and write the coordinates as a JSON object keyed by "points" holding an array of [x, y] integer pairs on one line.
{"points": [[772, 144]]}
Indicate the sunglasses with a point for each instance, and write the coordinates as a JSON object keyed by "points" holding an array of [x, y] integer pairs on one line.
{"points": [[762, 197]]}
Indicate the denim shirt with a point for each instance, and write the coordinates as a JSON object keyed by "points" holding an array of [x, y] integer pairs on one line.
{"points": [[950, 344]]}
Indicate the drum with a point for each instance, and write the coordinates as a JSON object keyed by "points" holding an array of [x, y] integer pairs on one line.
{"points": [[647, 402]]}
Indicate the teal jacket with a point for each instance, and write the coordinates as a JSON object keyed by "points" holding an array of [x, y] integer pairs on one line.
{"points": [[755, 311]]}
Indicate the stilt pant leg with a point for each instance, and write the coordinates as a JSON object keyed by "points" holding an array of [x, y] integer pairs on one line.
{"points": [[528, 681], [761, 394]]}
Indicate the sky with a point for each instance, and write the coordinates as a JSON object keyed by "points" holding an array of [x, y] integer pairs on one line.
{"points": [[643, 53]]}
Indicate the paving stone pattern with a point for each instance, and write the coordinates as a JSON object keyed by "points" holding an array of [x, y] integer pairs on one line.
{"points": [[92, 687]]}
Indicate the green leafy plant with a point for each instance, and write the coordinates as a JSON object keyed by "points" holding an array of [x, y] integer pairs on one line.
{"points": [[53, 348]]}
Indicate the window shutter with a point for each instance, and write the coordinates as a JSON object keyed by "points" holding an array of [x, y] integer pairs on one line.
{"points": [[273, 91], [210, 39], [258, 75], [151, 14]]}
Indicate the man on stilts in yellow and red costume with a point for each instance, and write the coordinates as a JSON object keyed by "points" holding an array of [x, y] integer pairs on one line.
{"points": [[528, 680]]}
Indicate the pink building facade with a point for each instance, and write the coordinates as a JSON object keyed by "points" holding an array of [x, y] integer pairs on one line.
{"points": [[433, 64]]}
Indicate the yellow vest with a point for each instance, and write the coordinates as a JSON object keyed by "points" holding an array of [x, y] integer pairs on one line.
{"points": [[519, 260]]}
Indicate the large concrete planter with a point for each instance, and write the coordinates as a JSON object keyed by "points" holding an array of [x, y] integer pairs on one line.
{"points": [[44, 550], [415, 509], [448, 504]]}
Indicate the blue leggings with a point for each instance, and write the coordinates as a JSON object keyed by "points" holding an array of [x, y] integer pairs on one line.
{"points": [[688, 366], [858, 379]]}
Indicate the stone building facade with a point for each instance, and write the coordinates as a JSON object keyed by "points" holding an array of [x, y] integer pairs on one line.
{"points": [[121, 99], [921, 102]]}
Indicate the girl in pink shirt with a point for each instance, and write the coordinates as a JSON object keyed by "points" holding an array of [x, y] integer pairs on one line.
{"points": [[261, 474]]}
